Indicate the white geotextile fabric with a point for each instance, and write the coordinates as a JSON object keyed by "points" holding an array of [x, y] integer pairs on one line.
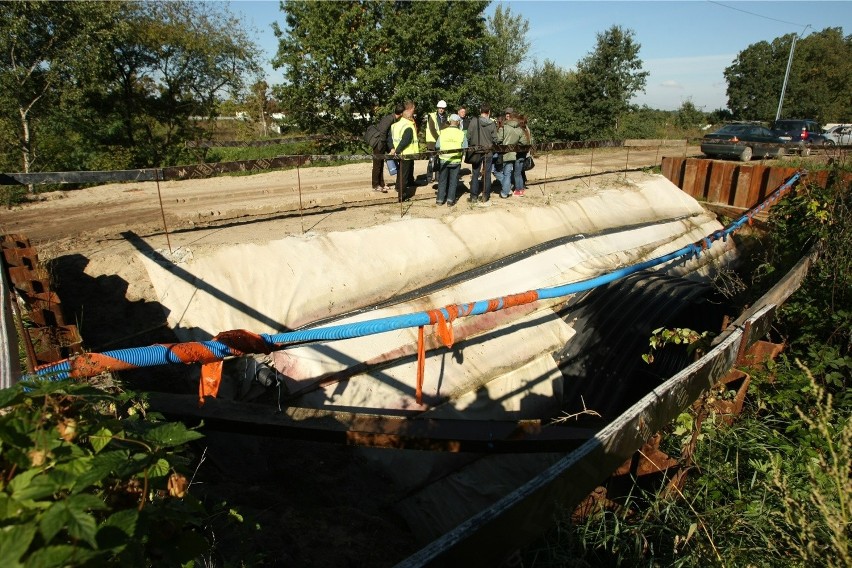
{"points": [[297, 280]]}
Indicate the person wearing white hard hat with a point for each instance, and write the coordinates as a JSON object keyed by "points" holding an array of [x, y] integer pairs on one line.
{"points": [[451, 142], [435, 121]]}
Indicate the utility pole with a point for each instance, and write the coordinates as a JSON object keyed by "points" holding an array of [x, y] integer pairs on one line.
{"points": [[787, 74]]}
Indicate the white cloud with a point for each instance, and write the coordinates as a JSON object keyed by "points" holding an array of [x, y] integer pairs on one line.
{"points": [[671, 84]]}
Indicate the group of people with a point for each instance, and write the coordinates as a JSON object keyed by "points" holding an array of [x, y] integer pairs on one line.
{"points": [[447, 139]]}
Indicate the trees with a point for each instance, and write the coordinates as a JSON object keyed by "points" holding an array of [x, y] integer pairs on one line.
{"points": [[689, 117], [755, 78], [506, 51], [548, 91], [821, 77], [607, 79], [41, 47], [360, 57], [112, 85], [818, 85], [171, 61]]}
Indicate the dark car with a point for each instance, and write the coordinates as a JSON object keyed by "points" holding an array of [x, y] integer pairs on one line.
{"points": [[744, 141], [802, 131]]}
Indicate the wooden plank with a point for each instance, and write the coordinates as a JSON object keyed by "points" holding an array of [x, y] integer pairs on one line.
{"points": [[739, 198], [373, 430], [690, 175]]}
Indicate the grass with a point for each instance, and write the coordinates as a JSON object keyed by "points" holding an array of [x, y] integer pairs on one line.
{"points": [[773, 488], [755, 497]]}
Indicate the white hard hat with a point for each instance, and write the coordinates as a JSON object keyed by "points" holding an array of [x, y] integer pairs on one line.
{"points": [[442, 104]]}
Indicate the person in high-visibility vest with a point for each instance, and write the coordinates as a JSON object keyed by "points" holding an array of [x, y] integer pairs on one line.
{"points": [[404, 138], [451, 138], [435, 122]]}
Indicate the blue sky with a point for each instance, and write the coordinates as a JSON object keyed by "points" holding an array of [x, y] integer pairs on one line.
{"points": [[686, 45]]}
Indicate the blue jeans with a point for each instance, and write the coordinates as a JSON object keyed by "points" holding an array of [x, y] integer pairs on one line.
{"points": [[508, 170], [519, 173], [448, 179], [512, 171]]}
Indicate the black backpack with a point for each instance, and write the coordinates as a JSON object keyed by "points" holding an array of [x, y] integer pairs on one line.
{"points": [[373, 137], [376, 134]]}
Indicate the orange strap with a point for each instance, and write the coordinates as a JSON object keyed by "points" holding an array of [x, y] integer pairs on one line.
{"points": [[421, 364], [444, 330], [211, 378]]}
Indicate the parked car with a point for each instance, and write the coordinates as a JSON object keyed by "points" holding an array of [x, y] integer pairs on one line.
{"points": [[804, 132], [744, 141], [840, 135]]}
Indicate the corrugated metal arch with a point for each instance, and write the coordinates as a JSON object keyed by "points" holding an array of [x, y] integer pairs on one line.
{"points": [[603, 366]]}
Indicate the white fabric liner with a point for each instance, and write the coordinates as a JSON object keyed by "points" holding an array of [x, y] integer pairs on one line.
{"points": [[296, 280]]}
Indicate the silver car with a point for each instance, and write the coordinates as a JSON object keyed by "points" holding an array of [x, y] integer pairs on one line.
{"points": [[839, 135]]}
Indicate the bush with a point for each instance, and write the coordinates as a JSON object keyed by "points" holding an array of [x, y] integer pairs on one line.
{"points": [[89, 478]]}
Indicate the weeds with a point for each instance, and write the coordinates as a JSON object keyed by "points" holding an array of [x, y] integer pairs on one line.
{"points": [[773, 488]]}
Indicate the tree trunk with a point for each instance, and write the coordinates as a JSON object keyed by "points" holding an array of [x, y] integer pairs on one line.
{"points": [[26, 146]]}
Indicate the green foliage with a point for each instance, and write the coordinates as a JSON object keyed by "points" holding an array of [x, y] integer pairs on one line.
{"points": [[645, 122], [662, 337], [88, 478], [754, 80], [41, 47], [341, 58], [818, 85], [760, 493], [12, 195], [606, 80], [507, 51], [232, 154], [148, 67], [548, 89], [822, 219]]}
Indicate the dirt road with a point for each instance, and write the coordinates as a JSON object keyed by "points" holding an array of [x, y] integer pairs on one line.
{"points": [[271, 204]]}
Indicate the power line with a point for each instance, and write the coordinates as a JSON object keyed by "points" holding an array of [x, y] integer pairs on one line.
{"points": [[758, 15]]}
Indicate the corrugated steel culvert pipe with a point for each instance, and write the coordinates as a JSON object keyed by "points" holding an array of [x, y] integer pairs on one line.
{"points": [[603, 366]]}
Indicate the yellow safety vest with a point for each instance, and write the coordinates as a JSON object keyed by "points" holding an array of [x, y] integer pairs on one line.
{"points": [[451, 138], [398, 129], [434, 117]]}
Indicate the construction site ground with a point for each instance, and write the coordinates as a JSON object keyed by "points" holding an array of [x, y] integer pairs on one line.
{"points": [[316, 505]]}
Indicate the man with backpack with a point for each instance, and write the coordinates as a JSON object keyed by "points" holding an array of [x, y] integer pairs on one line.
{"points": [[482, 132], [376, 137]]}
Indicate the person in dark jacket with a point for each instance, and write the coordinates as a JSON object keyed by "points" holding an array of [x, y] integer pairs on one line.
{"points": [[464, 119], [381, 148], [482, 132]]}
